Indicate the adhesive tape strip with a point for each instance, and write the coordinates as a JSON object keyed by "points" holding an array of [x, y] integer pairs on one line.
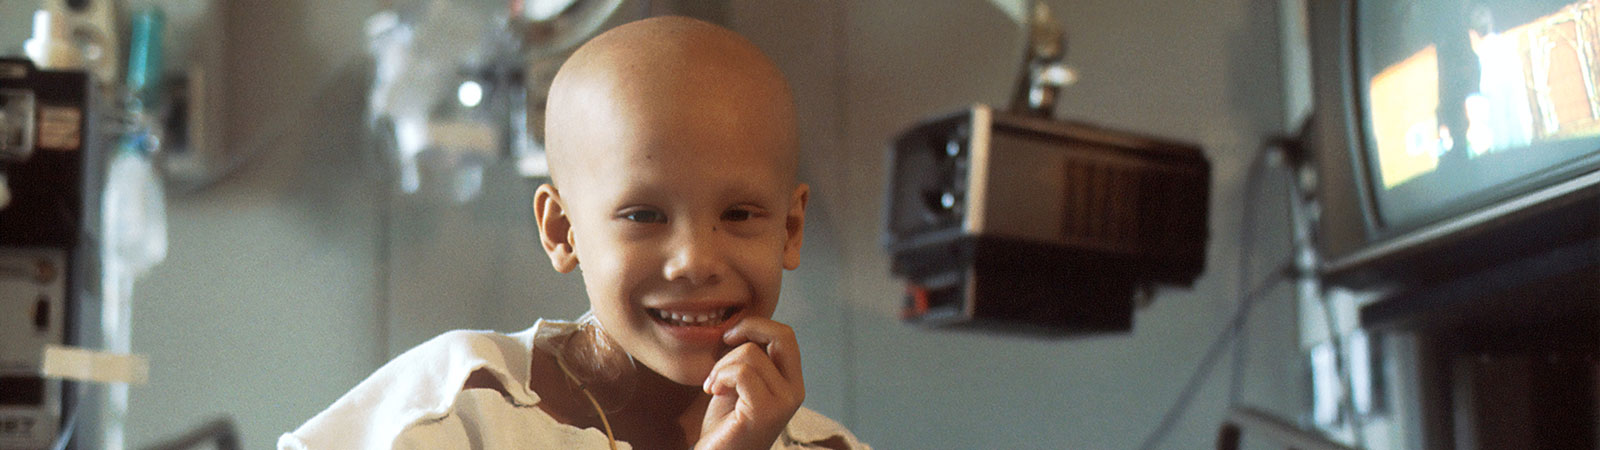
{"points": [[90, 365]]}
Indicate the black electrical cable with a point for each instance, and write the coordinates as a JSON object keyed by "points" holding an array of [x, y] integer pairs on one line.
{"points": [[1235, 327], [1272, 153], [1212, 355], [65, 436], [218, 433]]}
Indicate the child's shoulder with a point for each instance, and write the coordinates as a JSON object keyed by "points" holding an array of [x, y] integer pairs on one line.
{"points": [[812, 429], [418, 385]]}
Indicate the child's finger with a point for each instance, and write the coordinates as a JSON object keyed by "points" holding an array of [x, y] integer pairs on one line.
{"points": [[776, 338], [748, 372]]}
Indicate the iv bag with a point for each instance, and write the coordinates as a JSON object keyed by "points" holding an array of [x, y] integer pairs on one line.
{"points": [[135, 219]]}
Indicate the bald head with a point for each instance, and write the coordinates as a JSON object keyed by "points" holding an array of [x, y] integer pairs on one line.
{"points": [[672, 159], [659, 82]]}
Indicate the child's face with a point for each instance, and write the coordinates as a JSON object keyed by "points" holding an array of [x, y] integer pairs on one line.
{"points": [[682, 224]]}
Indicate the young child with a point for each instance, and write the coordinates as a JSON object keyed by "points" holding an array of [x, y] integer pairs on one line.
{"points": [[673, 191]]}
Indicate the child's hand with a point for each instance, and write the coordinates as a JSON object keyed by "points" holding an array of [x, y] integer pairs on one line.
{"points": [[754, 389]]}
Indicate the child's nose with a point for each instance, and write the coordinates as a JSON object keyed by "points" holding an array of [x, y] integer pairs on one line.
{"points": [[693, 256]]}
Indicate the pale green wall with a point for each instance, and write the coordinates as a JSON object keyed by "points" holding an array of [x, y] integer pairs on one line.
{"points": [[266, 308]]}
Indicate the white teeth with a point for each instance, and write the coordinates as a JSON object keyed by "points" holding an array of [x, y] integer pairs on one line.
{"points": [[693, 319]]}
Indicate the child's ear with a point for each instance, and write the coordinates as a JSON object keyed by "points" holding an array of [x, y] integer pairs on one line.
{"points": [[555, 228], [795, 224]]}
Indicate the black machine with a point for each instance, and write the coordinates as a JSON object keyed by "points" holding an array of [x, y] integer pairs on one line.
{"points": [[48, 160], [1016, 222]]}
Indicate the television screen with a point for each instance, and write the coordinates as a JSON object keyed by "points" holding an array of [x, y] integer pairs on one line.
{"points": [[1468, 102]]}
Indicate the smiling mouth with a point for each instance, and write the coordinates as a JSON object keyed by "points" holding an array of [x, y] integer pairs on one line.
{"points": [[692, 318]]}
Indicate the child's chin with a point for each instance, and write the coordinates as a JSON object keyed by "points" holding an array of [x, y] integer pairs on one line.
{"points": [[691, 378], [687, 371]]}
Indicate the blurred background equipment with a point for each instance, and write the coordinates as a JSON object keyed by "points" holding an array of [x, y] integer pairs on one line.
{"points": [[49, 255], [450, 96], [83, 35], [84, 216], [1455, 161], [1015, 221]]}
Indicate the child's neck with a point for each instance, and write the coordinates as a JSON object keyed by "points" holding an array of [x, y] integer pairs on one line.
{"points": [[644, 408], [658, 403]]}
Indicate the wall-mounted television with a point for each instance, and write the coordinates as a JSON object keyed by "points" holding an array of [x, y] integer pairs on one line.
{"points": [[1454, 139]]}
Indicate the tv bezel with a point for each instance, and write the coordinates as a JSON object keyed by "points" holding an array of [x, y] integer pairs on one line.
{"points": [[1358, 249]]}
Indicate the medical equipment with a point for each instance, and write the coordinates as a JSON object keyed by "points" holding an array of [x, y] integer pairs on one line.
{"points": [[1015, 221], [46, 263], [451, 96], [84, 216]]}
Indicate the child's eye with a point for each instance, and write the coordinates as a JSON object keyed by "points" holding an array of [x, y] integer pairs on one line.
{"points": [[737, 215], [645, 216]]}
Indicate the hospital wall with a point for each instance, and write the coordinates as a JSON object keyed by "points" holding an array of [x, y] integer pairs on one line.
{"points": [[290, 280]]}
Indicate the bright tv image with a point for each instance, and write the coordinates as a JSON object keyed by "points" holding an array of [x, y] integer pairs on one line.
{"points": [[1470, 101]]}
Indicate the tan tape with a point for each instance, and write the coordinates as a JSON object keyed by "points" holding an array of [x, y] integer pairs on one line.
{"points": [[91, 365]]}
